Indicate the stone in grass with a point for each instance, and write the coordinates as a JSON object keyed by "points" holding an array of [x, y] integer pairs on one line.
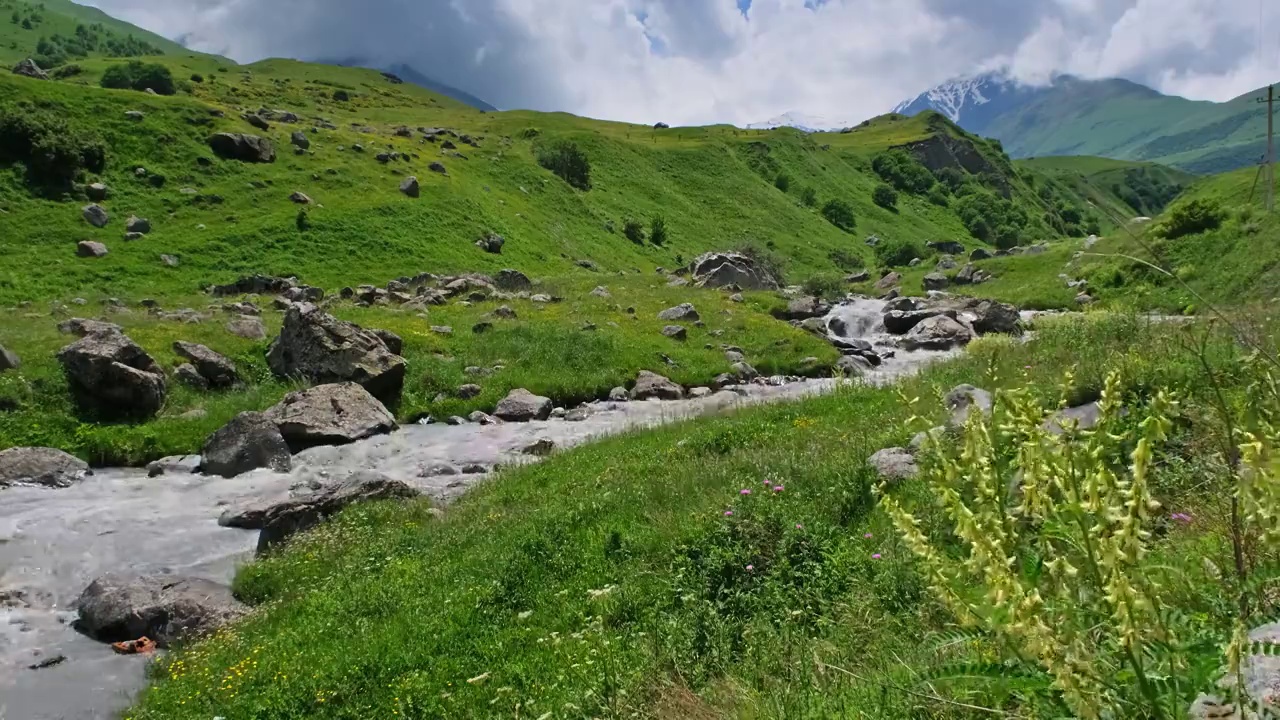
{"points": [[410, 187], [95, 215], [91, 249], [675, 332], [520, 405]]}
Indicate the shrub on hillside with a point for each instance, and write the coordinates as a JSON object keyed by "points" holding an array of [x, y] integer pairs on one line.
{"points": [[633, 230], [137, 75], [568, 161], [985, 214], [938, 195], [338, 95], [782, 182], [808, 196], [840, 214], [901, 170], [770, 262], [829, 286], [1192, 217], [658, 231], [885, 196], [846, 260], [898, 252], [53, 152], [197, 78], [66, 71]]}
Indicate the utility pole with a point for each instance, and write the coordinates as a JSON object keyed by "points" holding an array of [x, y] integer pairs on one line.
{"points": [[1271, 148]]}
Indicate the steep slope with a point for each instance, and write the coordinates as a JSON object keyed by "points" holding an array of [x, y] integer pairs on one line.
{"points": [[79, 31], [1111, 118], [1120, 189]]}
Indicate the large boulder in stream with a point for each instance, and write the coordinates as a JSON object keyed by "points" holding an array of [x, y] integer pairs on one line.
{"points": [[652, 386], [901, 322], [990, 316], [164, 608], [333, 414], [937, 333], [804, 308], [250, 441], [40, 466], [520, 405], [111, 376], [318, 347], [722, 269], [288, 518]]}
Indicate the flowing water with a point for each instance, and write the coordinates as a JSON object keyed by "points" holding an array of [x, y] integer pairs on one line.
{"points": [[54, 542]]}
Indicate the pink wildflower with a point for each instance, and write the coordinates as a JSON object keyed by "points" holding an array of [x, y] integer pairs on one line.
{"points": [[875, 556], [778, 488], [799, 526], [728, 513], [751, 568], [744, 491], [867, 536]]}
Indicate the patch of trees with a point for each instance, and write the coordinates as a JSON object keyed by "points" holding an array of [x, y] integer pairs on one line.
{"points": [[568, 161], [53, 152], [897, 252], [54, 50], [137, 75], [990, 217], [900, 169], [1145, 192], [840, 214], [885, 196], [1192, 217]]}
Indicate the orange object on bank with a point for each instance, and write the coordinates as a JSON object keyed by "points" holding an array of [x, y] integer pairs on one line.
{"points": [[135, 647]]}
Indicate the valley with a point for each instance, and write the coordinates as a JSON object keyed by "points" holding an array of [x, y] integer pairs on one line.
{"points": [[362, 401]]}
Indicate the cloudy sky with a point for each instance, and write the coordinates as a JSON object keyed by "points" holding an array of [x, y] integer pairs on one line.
{"points": [[741, 61]]}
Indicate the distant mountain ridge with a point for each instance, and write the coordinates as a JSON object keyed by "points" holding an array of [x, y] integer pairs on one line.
{"points": [[1113, 118], [412, 75], [801, 121]]}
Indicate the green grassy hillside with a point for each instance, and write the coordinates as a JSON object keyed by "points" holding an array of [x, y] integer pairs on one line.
{"points": [[1119, 189], [1119, 119], [71, 32]]}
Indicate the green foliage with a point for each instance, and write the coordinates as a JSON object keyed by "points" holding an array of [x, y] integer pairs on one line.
{"points": [[341, 96], [808, 196], [900, 169], [568, 161], [840, 214], [886, 197], [782, 182], [53, 152], [658, 231], [897, 252], [633, 230], [830, 286], [197, 78], [938, 196], [1192, 217], [846, 260], [989, 217], [137, 75]]}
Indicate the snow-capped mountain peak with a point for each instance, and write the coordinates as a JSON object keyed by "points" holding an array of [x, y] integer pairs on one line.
{"points": [[802, 121], [954, 97]]}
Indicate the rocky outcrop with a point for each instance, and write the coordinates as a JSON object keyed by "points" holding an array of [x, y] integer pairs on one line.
{"points": [[990, 316], [676, 332], [248, 327], [935, 281], [333, 414], [894, 465], [112, 376], [217, 370], [242, 147], [890, 280], [722, 269], [29, 68], [964, 400], [164, 608], [82, 327], [95, 215], [804, 308], [901, 322], [520, 405], [9, 359], [684, 312], [653, 386], [40, 466], [491, 243], [282, 521], [249, 441], [318, 347], [512, 280], [937, 333]]}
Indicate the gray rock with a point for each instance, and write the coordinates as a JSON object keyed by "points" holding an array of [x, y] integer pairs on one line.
{"points": [[9, 359], [684, 312], [394, 342], [40, 466], [299, 197], [187, 374], [805, 308], [322, 349], [441, 329], [915, 262], [737, 298], [248, 327], [601, 292], [256, 120], [136, 224], [990, 316], [901, 322], [216, 369], [249, 441], [980, 254], [90, 249], [491, 243], [722, 269], [619, 394], [511, 280], [935, 281], [131, 236], [860, 276], [675, 332], [853, 366], [965, 399], [468, 391], [410, 187], [111, 375], [29, 68], [504, 312], [894, 465], [170, 261], [97, 192], [482, 418], [300, 139], [330, 414], [947, 247], [438, 167], [1083, 417], [520, 405], [890, 280], [282, 521], [937, 333], [539, 448], [81, 327], [242, 147], [733, 356], [578, 414], [165, 608], [743, 373], [178, 464], [651, 385]]}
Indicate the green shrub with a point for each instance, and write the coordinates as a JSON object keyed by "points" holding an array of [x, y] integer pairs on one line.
{"points": [[197, 78], [568, 162], [633, 230], [938, 195], [901, 170], [658, 231], [137, 75], [338, 95], [898, 252], [1192, 217], [840, 214], [986, 214], [53, 152], [845, 260], [773, 264], [885, 196], [829, 286], [782, 182], [66, 71], [808, 196]]}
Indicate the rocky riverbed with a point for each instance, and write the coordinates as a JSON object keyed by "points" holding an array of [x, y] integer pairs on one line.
{"points": [[55, 541]]}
